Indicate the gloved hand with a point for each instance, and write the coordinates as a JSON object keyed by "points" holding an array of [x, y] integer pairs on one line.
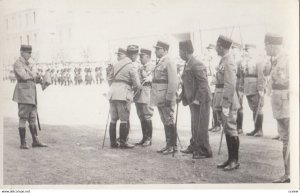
{"points": [[225, 111], [38, 79], [261, 93], [168, 103], [148, 78], [196, 102]]}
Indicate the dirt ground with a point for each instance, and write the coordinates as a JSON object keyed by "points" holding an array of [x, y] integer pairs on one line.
{"points": [[73, 127]]}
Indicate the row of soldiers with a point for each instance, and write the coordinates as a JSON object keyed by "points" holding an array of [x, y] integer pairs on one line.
{"points": [[155, 85]]}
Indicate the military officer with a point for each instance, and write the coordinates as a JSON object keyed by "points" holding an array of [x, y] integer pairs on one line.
{"points": [[25, 96], [142, 102], [252, 83], [237, 57], [196, 94], [124, 81], [226, 101], [163, 94], [279, 72], [212, 61]]}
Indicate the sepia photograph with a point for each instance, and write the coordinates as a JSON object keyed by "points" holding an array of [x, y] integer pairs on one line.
{"points": [[149, 93]]}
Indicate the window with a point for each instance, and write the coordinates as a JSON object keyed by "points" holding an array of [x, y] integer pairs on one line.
{"points": [[34, 19], [35, 39], [27, 21], [28, 40]]}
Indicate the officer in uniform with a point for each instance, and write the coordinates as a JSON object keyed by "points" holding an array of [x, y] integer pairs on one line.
{"points": [[252, 84], [196, 94], [124, 81], [226, 101], [163, 94], [279, 71], [237, 57], [212, 62], [25, 96], [142, 102]]}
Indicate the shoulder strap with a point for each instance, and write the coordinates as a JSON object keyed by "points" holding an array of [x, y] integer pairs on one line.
{"points": [[120, 70]]}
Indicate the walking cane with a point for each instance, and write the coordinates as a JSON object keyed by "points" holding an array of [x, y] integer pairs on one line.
{"points": [[105, 129], [176, 125], [258, 107], [38, 121], [220, 146]]}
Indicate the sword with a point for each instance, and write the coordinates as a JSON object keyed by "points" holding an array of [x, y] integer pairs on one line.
{"points": [[38, 121], [105, 129]]}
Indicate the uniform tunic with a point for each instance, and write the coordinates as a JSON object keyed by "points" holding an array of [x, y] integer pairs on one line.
{"points": [[225, 94]]}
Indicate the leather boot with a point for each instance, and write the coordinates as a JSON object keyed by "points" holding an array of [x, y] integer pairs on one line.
{"points": [[35, 140], [252, 133], [173, 142], [234, 163], [22, 132], [259, 123], [124, 131], [113, 135], [229, 148], [168, 139], [239, 122], [143, 125], [149, 129]]}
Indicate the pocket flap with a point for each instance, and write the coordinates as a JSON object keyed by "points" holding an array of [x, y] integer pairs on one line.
{"points": [[23, 85]]}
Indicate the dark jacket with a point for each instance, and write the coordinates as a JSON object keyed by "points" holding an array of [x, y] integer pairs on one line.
{"points": [[195, 83]]}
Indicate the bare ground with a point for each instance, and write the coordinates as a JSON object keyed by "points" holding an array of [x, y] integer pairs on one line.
{"points": [[75, 156]]}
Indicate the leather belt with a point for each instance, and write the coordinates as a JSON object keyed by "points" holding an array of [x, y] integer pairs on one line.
{"points": [[147, 84], [219, 85], [124, 81], [251, 75], [279, 87], [160, 81], [25, 81]]}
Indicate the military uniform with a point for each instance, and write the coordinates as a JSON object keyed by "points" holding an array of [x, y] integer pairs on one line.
{"points": [[239, 87], [252, 82], [25, 96], [125, 79], [142, 101], [196, 94], [163, 95], [212, 64], [279, 72], [226, 99]]}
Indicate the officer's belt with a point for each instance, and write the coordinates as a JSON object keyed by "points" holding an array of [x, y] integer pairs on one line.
{"points": [[251, 76], [279, 87], [147, 84], [160, 81], [25, 81], [219, 85], [124, 81]]}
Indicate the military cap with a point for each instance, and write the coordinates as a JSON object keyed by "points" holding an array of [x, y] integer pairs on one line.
{"points": [[132, 49], [121, 51], [224, 41], [145, 52], [162, 45], [273, 39], [26, 48], [211, 46], [248, 46], [186, 46]]}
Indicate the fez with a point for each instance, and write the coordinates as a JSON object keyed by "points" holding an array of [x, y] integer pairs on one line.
{"points": [[132, 49], [186, 46], [273, 39], [26, 48], [145, 52], [121, 51], [224, 41], [162, 45]]}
